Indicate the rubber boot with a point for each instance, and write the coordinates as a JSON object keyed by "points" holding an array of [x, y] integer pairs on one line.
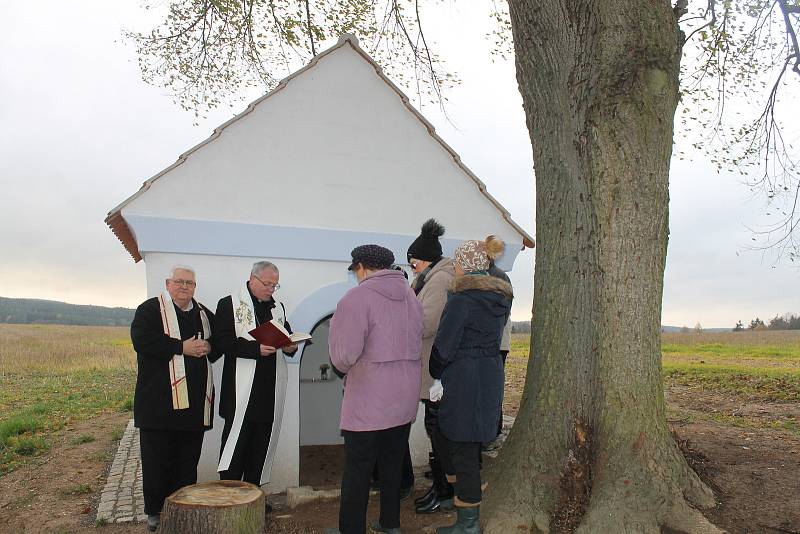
{"points": [[467, 522]]}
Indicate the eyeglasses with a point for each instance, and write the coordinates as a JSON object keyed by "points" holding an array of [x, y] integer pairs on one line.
{"points": [[273, 287], [184, 283]]}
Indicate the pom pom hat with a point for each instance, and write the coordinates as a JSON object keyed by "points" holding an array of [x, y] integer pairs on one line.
{"points": [[427, 247], [475, 256]]}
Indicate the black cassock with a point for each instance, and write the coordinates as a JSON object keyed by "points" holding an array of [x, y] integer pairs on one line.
{"points": [[248, 457], [170, 440]]}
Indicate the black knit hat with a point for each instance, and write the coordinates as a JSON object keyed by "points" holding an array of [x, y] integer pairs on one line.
{"points": [[427, 247], [371, 257]]}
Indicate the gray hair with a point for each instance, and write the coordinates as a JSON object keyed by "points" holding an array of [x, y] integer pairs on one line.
{"points": [[260, 266], [181, 268]]}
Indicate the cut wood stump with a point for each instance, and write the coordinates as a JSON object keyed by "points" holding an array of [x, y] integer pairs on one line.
{"points": [[219, 507]]}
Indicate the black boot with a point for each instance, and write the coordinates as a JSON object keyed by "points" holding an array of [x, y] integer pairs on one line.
{"points": [[442, 493], [419, 501], [430, 494]]}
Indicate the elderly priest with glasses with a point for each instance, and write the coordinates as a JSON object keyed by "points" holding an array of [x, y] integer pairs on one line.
{"points": [[254, 377], [174, 387]]}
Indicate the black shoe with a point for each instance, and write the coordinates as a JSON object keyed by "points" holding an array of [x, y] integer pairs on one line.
{"points": [[426, 497], [405, 493], [429, 507], [153, 520], [375, 526], [442, 502]]}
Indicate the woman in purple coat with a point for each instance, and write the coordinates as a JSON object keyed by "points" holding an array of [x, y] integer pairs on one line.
{"points": [[375, 340]]}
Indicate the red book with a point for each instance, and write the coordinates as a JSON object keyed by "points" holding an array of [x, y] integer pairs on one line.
{"points": [[273, 334]]}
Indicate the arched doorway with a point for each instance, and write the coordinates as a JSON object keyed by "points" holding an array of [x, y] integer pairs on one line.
{"points": [[321, 443]]}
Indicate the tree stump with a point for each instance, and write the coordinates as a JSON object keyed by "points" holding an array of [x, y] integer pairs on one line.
{"points": [[219, 507]]}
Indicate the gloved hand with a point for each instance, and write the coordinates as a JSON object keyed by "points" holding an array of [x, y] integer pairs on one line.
{"points": [[436, 391]]}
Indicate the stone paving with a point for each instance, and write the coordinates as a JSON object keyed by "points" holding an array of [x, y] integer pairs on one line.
{"points": [[121, 500]]}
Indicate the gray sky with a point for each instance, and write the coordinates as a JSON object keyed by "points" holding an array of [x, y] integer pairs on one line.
{"points": [[81, 132]]}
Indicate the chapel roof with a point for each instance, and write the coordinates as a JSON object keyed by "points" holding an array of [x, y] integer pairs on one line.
{"points": [[119, 225]]}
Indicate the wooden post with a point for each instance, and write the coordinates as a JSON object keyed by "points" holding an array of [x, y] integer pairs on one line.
{"points": [[219, 507]]}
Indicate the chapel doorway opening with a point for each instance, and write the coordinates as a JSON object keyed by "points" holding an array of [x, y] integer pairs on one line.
{"points": [[321, 443]]}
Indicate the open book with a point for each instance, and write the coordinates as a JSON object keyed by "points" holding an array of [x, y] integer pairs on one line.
{"points": [[273, 333]]}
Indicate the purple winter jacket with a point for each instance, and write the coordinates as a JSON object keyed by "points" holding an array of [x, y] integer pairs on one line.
{"points": [[375, 338]]}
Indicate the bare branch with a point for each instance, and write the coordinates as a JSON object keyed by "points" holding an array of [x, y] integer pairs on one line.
{"points": [[310, 30]]}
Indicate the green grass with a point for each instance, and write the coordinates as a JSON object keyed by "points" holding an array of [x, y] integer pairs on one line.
{"points": [[78, 489], [27, 445], [736, 351], [753, 382], [127, 405], [18, 425], [51, 375], [83, 438], [755, 365], [39, 404]]}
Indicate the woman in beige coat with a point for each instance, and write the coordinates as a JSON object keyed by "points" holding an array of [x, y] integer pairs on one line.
{"points": [[433, 276]]}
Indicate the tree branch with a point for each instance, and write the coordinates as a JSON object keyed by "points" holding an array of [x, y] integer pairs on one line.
{"points": [[310, 30], [786, 9]]}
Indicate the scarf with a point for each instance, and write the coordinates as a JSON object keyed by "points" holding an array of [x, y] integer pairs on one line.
{"points": [[177, 365]]}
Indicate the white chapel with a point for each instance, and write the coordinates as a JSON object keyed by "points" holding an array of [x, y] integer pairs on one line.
{"points": [[334, 157]]}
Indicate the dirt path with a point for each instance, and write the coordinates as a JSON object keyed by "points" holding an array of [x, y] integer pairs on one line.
{"points": [[751, 462], [59, 492], [755, 471]]}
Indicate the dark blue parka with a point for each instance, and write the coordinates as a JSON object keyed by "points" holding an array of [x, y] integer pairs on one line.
{"points": [[466, 357]]}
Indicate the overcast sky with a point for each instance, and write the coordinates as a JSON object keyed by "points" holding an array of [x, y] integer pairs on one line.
{"points": [[81, 132]]}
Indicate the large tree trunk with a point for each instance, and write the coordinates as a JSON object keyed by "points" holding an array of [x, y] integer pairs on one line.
{"points": [[590, 450]]}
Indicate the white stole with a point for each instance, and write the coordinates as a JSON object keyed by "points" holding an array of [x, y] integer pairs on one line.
{"points": [[177, 367], [245, 320]]}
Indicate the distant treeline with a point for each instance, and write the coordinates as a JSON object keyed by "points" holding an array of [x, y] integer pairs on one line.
{"points": [[35, 311], [787, 321], [520, 327]]}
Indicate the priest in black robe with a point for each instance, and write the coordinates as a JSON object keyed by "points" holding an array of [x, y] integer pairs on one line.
{"points": [[174, 398], [248, 405]]}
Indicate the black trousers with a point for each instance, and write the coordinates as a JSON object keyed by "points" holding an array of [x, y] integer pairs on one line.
{"points": [[406, 474], [248, 457], [461, 458], [169, 462], [361, 451]]}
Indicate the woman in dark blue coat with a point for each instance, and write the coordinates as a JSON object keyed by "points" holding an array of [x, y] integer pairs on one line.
{"points": [[466, 359]]}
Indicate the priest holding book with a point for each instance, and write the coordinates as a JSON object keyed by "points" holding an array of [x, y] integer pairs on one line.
{"points": [[254, 377]]}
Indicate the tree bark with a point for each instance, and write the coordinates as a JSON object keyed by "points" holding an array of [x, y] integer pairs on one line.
{"points": [[590, 450], [220, 507]]}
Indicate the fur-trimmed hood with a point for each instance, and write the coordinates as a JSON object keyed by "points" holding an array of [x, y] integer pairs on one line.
{"points": [[481, 283], [491, 294]]}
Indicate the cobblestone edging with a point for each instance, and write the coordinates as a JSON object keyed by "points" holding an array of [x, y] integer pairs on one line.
{"points": [[121, 500]]}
